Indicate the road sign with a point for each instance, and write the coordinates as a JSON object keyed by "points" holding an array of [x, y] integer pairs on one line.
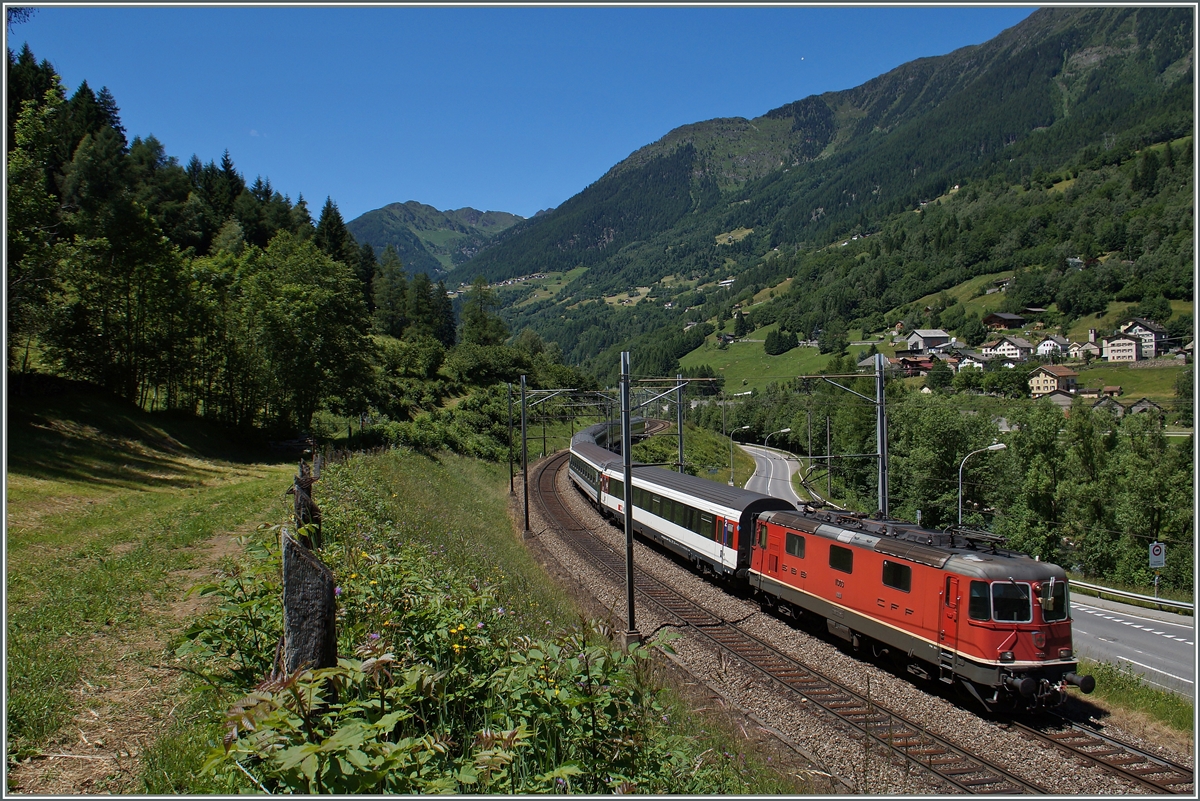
{"points": [[1158, 554]]}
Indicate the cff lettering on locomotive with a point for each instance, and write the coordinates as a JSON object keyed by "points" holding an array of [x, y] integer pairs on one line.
{"points": [[952, 606]]}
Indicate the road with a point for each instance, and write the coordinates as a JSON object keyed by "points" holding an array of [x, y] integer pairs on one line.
{"points": [[1160, 646], [773, 475]]}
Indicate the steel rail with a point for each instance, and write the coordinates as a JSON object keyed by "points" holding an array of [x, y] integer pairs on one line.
{"points": [[958, 767], [1113, 755]]}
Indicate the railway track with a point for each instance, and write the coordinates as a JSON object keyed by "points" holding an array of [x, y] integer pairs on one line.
{"points": [[962, 769], [1125, 760]]}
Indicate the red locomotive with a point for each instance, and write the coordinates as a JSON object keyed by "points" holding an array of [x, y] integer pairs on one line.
{"points": [[952, 604]]}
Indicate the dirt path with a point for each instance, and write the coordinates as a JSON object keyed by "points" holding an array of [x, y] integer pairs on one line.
{"points": [[127, 704]]}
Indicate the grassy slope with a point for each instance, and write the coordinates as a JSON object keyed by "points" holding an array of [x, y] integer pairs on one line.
{"points": [[746, 366], [110, 511]]}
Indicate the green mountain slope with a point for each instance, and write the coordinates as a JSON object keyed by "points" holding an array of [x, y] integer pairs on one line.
{"points": [[1067, 92], [1062, 81], [428, 240]]}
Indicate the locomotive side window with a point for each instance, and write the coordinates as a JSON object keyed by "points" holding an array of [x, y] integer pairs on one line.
{"points": [[979, 607], [1011, 603], [795, 545], [897, 576], [841, 558], [1054, 607], [762, 535]]}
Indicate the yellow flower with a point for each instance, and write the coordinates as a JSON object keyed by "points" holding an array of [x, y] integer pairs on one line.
{"points": [[366, 555], [353, 575], [374, 582]]}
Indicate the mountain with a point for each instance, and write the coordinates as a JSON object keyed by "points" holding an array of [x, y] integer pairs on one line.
{"points": [[1063, 82], [428, 240]]}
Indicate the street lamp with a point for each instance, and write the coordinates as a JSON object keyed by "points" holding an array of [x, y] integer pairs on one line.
{"points": [[995, 446], [731, 433], [773, 433]]}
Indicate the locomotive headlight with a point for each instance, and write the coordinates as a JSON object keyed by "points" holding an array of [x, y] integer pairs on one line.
{"points": [[1039, 640], [1006, 656], [1064, 653]]}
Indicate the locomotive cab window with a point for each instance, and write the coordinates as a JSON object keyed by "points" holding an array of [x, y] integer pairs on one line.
{"points": [[1054, 601], [762, 535], [1011, 602], [897, 576], [795, 545], [841, 558], [979, 607]]}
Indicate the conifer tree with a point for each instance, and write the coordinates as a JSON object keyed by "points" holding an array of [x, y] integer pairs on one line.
{"points": [[390, 295], [479, 325], [444, 312], [366, 268], [420, 308]]}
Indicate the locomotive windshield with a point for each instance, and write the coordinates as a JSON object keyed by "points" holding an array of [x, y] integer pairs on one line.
{"points": [[1011, 602]]}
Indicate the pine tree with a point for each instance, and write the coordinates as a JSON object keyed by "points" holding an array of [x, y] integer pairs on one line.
{"points": [[479, 325], [333, 238], [301, 220], [444, 330], [366, 269], [420, 308], [390, 295]]}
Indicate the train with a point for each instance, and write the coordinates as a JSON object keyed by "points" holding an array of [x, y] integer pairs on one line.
{"points": [[952, 606]]}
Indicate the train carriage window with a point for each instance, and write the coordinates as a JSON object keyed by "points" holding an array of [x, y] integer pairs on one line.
{"points": [[794, 545], [979, 606], [706, 524], [616, 487], [1011, 603], [897, 576], [656, 505], [841, 558]]}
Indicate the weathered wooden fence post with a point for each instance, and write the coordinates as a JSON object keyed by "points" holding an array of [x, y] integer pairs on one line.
{"points": [[305, 509], [309, 608], [309, 624]]}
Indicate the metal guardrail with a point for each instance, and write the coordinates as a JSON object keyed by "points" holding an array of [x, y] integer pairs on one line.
{"points": [[1160, 602]]}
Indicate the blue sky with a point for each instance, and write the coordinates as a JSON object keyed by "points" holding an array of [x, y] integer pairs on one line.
{"points": [[503, 108]]}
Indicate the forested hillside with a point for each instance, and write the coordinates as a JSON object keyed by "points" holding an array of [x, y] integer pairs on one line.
{"points": [[1055, 132], [189, 288], [427, 240]]}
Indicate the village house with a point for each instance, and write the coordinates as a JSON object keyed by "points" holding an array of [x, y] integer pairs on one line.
{"points": [[969, 360], [1080, 350], [1121, 348], [1112, 405], [922, 339], [1152, 335], [1009, 347], [1050, 377], [1052, 344], [997, 320], [1145, 405], [1062, 400]]}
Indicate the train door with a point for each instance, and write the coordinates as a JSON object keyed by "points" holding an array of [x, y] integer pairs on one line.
{"points": [[725, 536], [948, 630]]}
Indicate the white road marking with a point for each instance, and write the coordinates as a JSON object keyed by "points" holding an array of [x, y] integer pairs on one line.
{"points": [[1156, 670]]}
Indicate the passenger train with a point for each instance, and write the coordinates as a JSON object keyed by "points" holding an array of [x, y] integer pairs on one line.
{"points": [[951, 605]]}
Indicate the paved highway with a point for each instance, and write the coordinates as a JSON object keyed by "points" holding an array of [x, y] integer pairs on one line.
{"points": [[1159, 646], [773, 475]]}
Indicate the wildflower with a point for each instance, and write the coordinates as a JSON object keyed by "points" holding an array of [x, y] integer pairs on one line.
{"points": [[479, 625], [366, 555], [353, 575], [500, 611], [373, 636], [337, 590], [374, 582]]}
